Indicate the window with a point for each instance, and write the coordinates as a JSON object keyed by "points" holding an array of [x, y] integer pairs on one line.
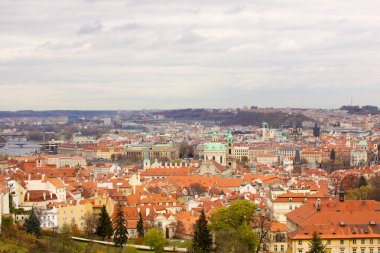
{"points": [[354, 251], [371, 250], [341, 242], [362, 250], [275, 247], [363, 241], [300, 251], [328, 242], [299, 242], [290, 207], [341, 250], [354, 241], [282, 248], [371, 241]]}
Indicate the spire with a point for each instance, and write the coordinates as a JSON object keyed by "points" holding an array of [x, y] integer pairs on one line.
{"points": [[146, 157]]}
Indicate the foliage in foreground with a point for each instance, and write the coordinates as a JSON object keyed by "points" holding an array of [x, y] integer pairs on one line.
{"points": [[232, 227], [155, 240]]}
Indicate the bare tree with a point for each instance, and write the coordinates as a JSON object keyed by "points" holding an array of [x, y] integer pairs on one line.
{"points": [[262, 225], [89, 224], [196, 189]]}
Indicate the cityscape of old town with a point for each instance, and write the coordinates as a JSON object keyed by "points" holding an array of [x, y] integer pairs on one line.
{"points": [[189, 126]]}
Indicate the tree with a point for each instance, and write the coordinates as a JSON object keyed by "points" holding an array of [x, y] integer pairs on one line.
{"points": [[7, 226], [362, 182], [196, 189], [332, 155], [233, 216], [120, 225], [202, 241], [104, 227], [363, 193], [11, 208], [155, 240], [140, 226], [89, 224], [244, 160], [316, 245], [33, 224], [232, 227], [263, 224]]}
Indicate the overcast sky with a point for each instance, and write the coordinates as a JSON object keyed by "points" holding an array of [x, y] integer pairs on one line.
{"points": [[191, 53]]}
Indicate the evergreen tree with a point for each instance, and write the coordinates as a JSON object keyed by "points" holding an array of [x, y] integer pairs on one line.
{"points": [[120, 225], [33, 224], [140, 226], [362, 182], [104, 227], [332, 155], [202, 241], [316, 245]]}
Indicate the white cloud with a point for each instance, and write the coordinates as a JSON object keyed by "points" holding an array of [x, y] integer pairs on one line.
{"points": [[187, 53]]}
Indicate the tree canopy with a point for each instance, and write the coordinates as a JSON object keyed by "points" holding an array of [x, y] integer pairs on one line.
{"points": [[104, 227], [120, 225], [232, 227], [33, 224], [202, 241], [316, 245], [155, 240]]}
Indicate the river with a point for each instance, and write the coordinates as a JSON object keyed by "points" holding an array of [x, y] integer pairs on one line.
{"points": [[13, 150]]}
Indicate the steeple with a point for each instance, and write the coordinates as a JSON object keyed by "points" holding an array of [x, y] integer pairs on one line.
{"points": [[146, 158]]}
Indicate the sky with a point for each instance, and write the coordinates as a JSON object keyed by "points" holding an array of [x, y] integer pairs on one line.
{"points": [[115, 54]]}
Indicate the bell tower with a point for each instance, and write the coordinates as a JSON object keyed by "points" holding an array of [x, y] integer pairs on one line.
{"points": [[230, 150], [146, 158]]}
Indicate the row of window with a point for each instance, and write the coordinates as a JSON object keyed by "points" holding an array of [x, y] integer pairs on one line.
{"points": [[354, 241], [362, 250], [282, 248]]}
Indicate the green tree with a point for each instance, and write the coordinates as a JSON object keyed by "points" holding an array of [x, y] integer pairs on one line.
{"points": [[233, 216], [113, 157], [202, 241], [7, 226], [332, 155], [11, 208], [316, 245], [120, 225], [363, 193], [362, 182], [155, 240], [104, 227], [140, 226], [33, 224], [232, 227]]}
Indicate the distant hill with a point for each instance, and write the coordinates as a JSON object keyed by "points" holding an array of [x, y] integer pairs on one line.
{"points": [[366, 109], [244, 118], [54, 113]]}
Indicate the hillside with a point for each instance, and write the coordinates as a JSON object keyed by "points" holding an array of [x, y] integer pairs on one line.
{"points": [[245, 118]]}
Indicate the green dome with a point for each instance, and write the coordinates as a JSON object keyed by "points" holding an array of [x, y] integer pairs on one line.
{"points": [[363, 143], [214, 146]]}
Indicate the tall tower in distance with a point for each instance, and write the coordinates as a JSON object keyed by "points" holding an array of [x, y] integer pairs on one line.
{"points": [[146, 158]]}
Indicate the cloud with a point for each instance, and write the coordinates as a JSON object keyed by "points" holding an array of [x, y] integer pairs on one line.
{"points": [[91, 28], [98, 54], [190, 37]]}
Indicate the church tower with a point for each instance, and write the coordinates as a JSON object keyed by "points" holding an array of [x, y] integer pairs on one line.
{"points": [[230, 156], [146, 158]]}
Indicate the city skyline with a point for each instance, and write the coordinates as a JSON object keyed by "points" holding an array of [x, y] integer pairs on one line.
{"points": [[127, 55]]}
